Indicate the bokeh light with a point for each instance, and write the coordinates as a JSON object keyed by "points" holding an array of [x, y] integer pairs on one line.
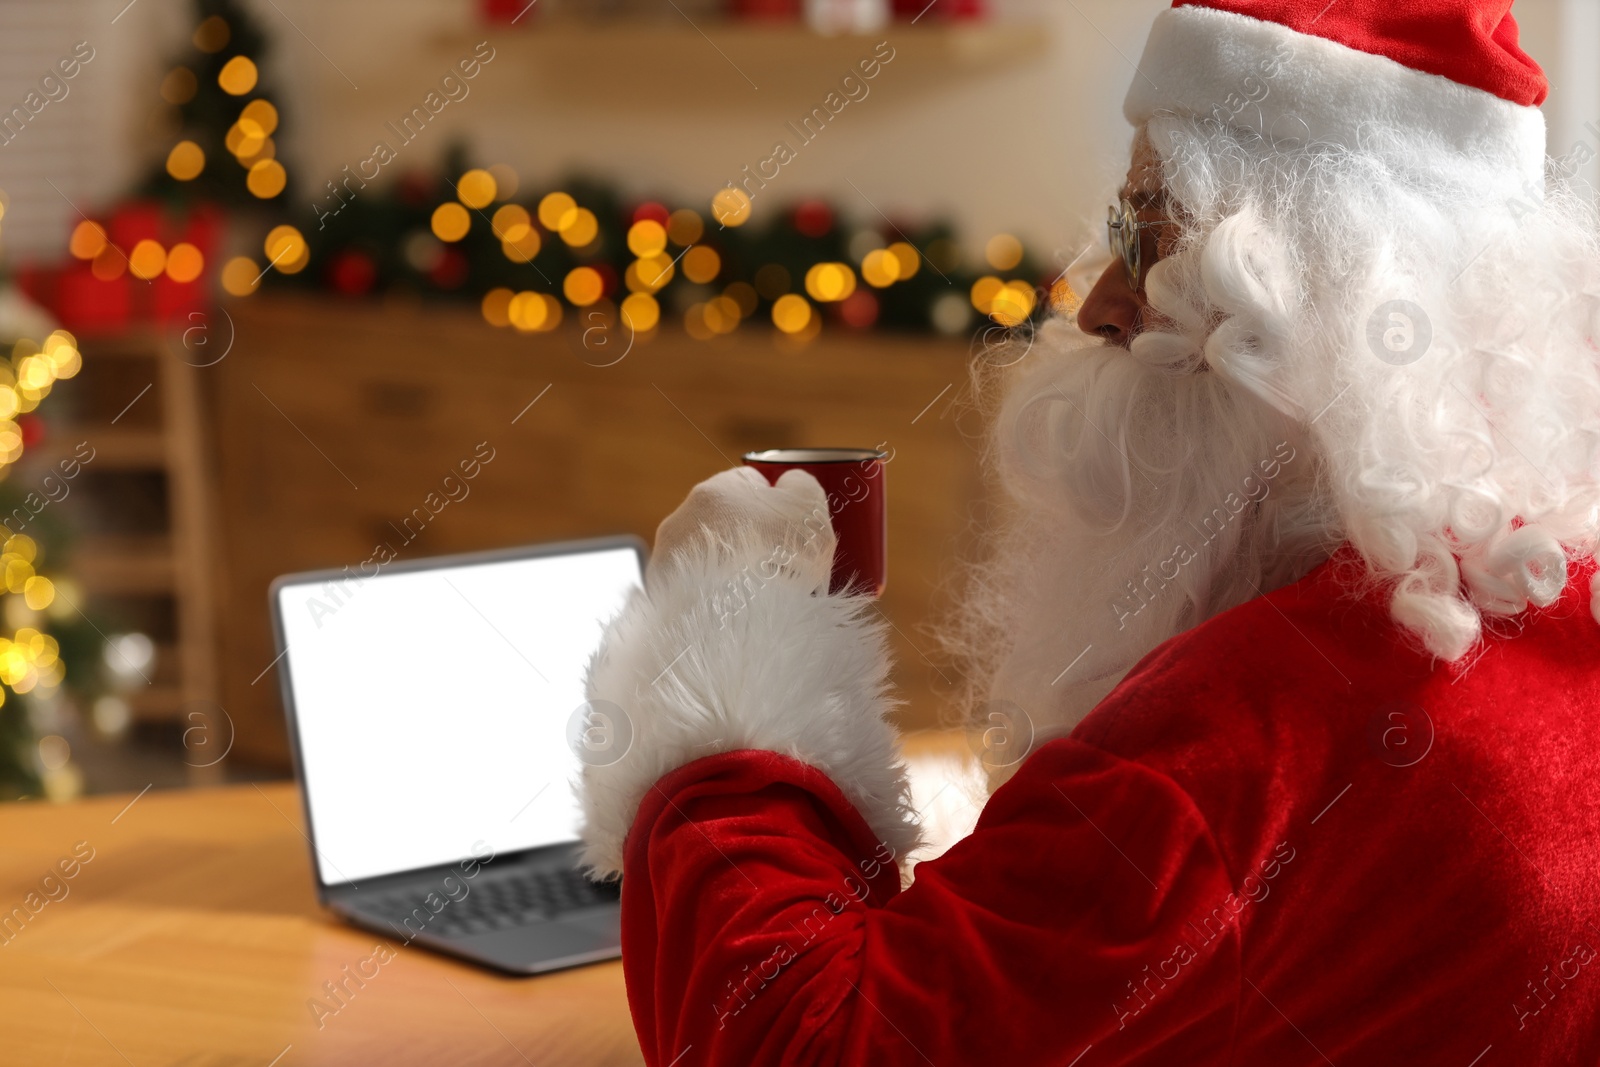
{"points": [[527, 311], [583, 286], [791, 313], [880, 269], [511, 222], [254, 150], [950, 314], [534, 312], [54, 752], [236, 140], [38, 592], [830, 282], [186, 161], [185, 262], [685, 227], [701, 264], [649, 275], [179, 86], [694, 323], [984, 290], [497, 307], [641, 312], [721, 315], [258, 119], [450, 222], [286, 249], [109, 264], [552, 311], [908, 258], [88, 240], [647, 238], [557, 211], [731, 207], [1012, 304], [859, 311], [240, 276], [1003, 252], [522, 249], [212, 35], [862, 243], [582, 229], [476, 189], [147, 260], [266, 179], [1064, 300], [61, 349], [237, 76]]}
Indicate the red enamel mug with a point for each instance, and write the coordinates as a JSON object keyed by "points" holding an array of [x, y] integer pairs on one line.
{"points": [[853, 480]]}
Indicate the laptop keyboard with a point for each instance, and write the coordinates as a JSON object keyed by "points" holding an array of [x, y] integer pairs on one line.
{"points": [[499, 903]]}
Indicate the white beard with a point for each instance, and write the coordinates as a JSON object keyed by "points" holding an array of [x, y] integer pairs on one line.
{"points": [[1464, 469], [1143, 497]]}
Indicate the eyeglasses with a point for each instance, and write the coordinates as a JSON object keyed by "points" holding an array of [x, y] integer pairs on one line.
{"points": [[1122, 227]]}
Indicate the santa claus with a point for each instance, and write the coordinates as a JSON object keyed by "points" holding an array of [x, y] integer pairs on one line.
{"points": [[1294, 611]]}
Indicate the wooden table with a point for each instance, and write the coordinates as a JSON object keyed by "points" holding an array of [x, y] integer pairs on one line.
{"points": [[192, 937]]}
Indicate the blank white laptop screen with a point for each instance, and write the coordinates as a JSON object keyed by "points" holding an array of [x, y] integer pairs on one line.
{"points": [[432, 705]]}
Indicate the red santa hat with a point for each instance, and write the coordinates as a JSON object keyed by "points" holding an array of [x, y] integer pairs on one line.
{"points": [[1322, 70]]}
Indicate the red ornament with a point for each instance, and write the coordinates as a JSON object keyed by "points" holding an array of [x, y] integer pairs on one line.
{"points": [[415, 188], [167, 299], [652, 210], [135, 221], [504, 12], [33, 430], [813, 218], [86, 304], [766, 10], [949, 9], [859, 310], [608, 276], [352, 272], [451, 270]]}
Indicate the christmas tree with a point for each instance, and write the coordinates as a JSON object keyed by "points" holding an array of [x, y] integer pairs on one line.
{"points": [[220, 117], [33, 662]]}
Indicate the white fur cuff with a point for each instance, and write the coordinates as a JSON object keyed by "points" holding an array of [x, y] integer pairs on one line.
{"points": [[719, 656]]}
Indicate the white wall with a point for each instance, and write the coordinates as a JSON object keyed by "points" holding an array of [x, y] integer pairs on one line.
{"points": [[1030, 146], [74, 151], [1033, 146]]}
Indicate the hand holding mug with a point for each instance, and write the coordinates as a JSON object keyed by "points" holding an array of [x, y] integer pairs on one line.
{"points": [[852, 483], [787, 521]]}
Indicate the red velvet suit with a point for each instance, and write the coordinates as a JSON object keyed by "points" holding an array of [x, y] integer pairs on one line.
{"points": [[1286, 838]]}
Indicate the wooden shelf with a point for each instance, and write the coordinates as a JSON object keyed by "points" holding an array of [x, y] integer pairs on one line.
{"points": [[114, 448], [156, 703], [647, 64], [125, 565]]}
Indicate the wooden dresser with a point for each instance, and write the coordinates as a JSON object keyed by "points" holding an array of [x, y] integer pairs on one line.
{"points": [[335, 422]]}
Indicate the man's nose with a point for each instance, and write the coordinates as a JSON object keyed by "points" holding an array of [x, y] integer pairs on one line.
{"points": [[1113, 309]]}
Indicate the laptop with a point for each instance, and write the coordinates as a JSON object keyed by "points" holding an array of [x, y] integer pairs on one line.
{"points": [[430, 706]]}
